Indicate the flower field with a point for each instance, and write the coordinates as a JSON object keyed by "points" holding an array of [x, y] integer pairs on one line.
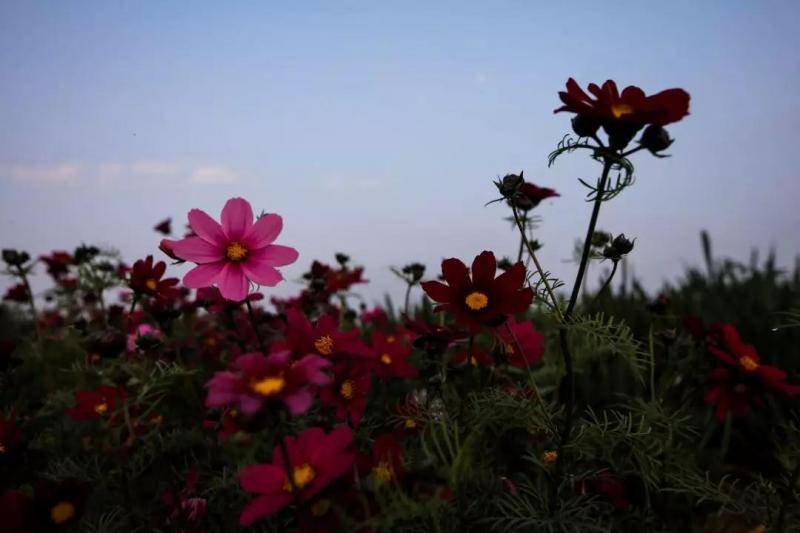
{"points": [[497, 396]]}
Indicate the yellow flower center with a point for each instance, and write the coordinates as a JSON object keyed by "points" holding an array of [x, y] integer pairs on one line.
{"points": [[550, 457], [748, 363], [346, 390], [476, 300], [2, 448], [386, 359], [509, 349], [321, 507], [473, 361], [61, 512], [390, 339], [302, 475], [382, 472], [324, 345], [410, 423], [101, 408], [621, 109], [268, 386], [236, 252], [151, 284]]}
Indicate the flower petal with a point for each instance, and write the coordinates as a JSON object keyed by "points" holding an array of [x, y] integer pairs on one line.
{"points": [[197, 250], [299, 402], [237, 217], [261, 273], [263, 232], [232, 282], [206, 227], [263, 479], [483, 269], [455, 273], [264, 506], [203, 275], [274, 255], [439, 292]]}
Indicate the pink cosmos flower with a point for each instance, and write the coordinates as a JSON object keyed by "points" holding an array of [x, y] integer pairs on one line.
{"points": [[316, 459], [231, 254], [262, 378], [142, 330]]}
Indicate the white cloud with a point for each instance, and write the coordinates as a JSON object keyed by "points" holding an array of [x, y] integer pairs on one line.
{"points": [[155, 168], [211, 174], [60, 174]]}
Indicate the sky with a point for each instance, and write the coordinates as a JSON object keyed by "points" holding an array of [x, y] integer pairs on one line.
{"points": [[376, 128]]}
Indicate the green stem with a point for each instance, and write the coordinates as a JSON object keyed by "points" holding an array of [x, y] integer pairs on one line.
{"points": [[254, 325], [31, 301]]}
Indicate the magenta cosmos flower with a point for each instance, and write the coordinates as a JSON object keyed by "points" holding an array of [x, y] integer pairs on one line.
{"points": [[235, 252], [263, 378], [316, 459]]}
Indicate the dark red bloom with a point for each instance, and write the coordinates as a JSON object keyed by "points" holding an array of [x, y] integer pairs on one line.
{"points": [[186, 509], [259, 378], [15, 510], [165, 226], [481, 300], [316, 459], [348, 392], [58, 505], [530, 195], [386, 463], [477, 356], [392, 356], [343, 278], [522, 344], [97, 404], [631, 106], [57, 263], [741, 381], [146, 279], [214, 302], [322, 338], [10, 435], [17, 293], [609, 485]]}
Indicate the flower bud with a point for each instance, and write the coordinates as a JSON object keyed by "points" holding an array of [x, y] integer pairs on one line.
{"points": [[15, 258], [342, 259], [584, 126], [415, 270], [655, 138], [510, 184], [622, 245], [600, 238]]}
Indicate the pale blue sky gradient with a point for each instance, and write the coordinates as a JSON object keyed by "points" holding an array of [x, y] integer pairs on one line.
{"points": [[375, 128]]}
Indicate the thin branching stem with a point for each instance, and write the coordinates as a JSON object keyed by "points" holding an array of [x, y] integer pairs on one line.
{"points": [[607, 281]]}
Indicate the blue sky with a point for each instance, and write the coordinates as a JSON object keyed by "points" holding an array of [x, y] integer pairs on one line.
{"points": [[375, 128]]}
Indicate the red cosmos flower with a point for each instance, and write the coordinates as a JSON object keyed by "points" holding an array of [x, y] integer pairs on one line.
{"points": [[165, 226], [609, 485], [15, 510], [632, 106], [741, 381], [478, 356], [261, 378], [322, 338], [316, 459], [146, 279], [386, 463], [391, 356], [10, 435], [523, 345], [96, 404], [530, 195], [184, 507], [482, 300], [57, 263], [58, 505], [343, 279], [17, 293], [234, 253], [348, 392]]}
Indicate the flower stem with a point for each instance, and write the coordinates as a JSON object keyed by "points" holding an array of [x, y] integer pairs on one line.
{"points": [[31, 301], [539, 269], [607, 282], [254, 325], [408, 296]]}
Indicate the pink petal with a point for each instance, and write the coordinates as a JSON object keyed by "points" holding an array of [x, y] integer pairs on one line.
{"points": [[299, 402], [262, 478], [206, 227], [232, 282], [253, 364], [264, 506], [309, 370], [274, 255], [203, 275], [237, 217], [197, 250], [263, 232], [249, 404], [261, 273]]}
